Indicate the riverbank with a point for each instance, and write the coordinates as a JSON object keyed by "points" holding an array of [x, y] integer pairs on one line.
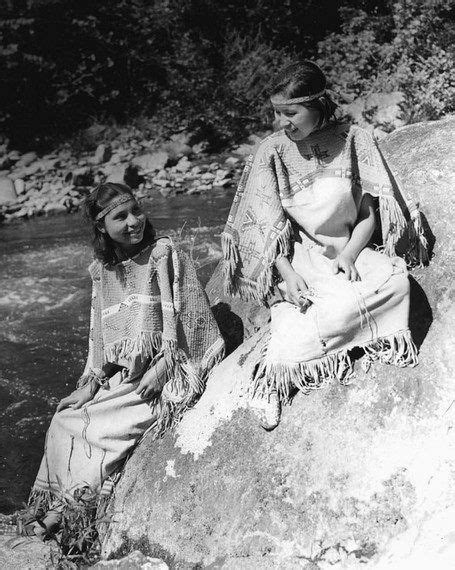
{"points": [[57, 182]]}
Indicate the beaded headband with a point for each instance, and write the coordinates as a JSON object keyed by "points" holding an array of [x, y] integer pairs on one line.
{"points": [[113, 204], [306, 99]]}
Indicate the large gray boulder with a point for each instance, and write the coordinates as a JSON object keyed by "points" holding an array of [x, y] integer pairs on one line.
{"points": [[354, 475]]}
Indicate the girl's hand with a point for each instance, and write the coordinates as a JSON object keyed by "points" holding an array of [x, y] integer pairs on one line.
{"points": [[296, 288], [344, 265], [78, 398], [153, 380]]}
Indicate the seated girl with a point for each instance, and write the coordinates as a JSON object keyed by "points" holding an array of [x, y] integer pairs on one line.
{"points": [[152, 342], [302, 219]]}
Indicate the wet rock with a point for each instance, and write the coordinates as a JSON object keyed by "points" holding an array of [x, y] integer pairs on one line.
{"points": [[370, 464], [151, 162], [7, 191]]}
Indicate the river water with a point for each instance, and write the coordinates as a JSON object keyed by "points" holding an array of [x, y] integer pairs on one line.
{"points": [[44, 318]]}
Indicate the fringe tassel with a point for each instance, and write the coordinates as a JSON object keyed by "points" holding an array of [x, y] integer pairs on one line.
{"points": [[398, 349], [394, 227], [146, 343], [305, 376], [41, 501], [393, 223], [417, 240], [247, 289], [186, 383]]}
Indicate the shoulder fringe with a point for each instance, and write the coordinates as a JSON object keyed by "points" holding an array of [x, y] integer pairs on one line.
{"points": [[395, 226], [285, 379], [247, 289]]}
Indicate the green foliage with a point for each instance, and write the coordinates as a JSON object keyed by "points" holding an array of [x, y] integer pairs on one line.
{"points": [[409, 48]]}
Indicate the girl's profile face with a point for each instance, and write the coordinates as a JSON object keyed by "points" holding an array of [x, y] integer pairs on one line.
{"points": [[297, 120], [125, 224]]}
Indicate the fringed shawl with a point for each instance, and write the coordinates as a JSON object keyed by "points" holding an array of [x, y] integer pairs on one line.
{"points": [[152, 307], [258, 230]]}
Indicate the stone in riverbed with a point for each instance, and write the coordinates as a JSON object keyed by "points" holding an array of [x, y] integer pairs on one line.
{"points": [[102, 154], [26, 159], [151, 162], [368, 467], [7, 191]]}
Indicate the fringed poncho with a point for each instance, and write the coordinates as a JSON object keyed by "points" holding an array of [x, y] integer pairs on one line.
{"points": [[148, 307], [283, 187]]}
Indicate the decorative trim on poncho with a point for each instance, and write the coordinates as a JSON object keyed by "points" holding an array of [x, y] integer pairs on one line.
{"points": [[152, 307], [258, 230]]}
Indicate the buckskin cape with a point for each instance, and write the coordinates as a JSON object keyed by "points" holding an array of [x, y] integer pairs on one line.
{"points": [[258, 230]]}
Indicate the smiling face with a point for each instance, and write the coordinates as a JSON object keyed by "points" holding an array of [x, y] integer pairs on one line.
{"points": [[125, 225], [297, 120]]}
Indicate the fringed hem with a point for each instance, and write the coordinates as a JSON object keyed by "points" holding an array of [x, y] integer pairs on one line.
{"points": [[41, 500], [185, 385], [147, 344], [247, 289], [398, 349], [283, 378], [395, 227]]}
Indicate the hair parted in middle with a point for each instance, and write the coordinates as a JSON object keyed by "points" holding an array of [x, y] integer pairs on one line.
{"points": [[103, 246], [302, 79]]}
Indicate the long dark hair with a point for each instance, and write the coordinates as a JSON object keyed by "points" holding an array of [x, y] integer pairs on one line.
{"points": [[103, 246], [301, 79]]}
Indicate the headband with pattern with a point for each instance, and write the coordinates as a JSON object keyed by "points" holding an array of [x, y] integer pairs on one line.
{"points": [[113, 204], [306, 99]]}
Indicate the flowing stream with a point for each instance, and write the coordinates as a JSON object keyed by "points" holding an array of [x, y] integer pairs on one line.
{"points": [[44, 318]]}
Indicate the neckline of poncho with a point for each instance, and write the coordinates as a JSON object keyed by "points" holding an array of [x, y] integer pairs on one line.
{"points": [[313, 134], [135, 256]]}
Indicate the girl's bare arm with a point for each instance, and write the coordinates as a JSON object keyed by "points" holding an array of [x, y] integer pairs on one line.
{"points": [[361, 234]]}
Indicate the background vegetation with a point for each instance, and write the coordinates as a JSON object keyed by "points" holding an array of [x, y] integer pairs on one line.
{"points": [[205, 64]]}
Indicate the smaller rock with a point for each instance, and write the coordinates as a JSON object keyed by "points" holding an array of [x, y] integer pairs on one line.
{"points": [[208, 176], [183, 165], [214, 166], [7, 191], [14, 155], [125, 174], [151, 162], [19, 186], [200, 147], [232, 160], [161, 182], [27, 159], [204, 187], [102, 154]]}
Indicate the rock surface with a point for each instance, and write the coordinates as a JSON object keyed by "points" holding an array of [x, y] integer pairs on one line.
{"points": [[353, 475]]}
